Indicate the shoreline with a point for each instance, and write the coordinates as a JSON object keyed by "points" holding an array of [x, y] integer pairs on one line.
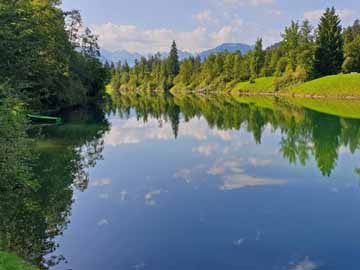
{"points": [[265, 94], [293, 95]]}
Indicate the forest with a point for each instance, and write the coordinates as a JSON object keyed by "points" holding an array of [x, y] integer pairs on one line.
{"points": [[305, 53], [49, 59], [49, 63]]}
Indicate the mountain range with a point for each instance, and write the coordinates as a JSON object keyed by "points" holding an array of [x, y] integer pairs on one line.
{"points": [[123, 55], [230, 47]]}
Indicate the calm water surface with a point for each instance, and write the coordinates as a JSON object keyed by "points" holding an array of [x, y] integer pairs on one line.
{"points": [[204, 183]]}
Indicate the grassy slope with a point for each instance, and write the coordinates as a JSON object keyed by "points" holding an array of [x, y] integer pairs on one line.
{"points": [[12, 262], [265, 85], [341, 85]]}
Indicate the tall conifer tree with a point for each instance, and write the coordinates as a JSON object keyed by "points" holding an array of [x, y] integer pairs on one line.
{"points": [[258, 59], [173, 61], [329, 54]]}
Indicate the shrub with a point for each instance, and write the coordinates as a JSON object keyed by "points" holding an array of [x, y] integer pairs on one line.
{"points": [[291, 77]]}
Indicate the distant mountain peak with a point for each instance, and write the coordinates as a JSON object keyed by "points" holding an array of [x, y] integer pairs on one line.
{"points": [[119, 55], [123, 55], [230, 47]]}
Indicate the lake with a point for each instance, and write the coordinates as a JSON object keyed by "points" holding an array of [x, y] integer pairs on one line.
{"points": [[196, 182]]}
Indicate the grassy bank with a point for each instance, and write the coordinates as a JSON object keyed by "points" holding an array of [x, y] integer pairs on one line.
{"points": [[12, 262], [261, 85], [342, 85], [336, 86]]}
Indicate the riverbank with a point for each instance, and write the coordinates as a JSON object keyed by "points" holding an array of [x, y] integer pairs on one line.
{"points": [[336, 95], [10, 261], [342, 86]]}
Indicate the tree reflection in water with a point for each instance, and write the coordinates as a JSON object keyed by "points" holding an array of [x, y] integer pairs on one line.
{"points": [[41, 168], [35, 207], [305, 133]]}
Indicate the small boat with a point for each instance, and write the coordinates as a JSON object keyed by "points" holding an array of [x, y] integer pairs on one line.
{"points": [[45, 119]]}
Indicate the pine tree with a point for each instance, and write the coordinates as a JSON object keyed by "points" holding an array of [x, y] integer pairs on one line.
{"points": [[173, 61], [291, 42], [329, 54], [352, 48], [258, 58]]}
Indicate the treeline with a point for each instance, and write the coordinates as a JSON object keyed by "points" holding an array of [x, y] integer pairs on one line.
{"points": [[48, 59], [304, 53]]}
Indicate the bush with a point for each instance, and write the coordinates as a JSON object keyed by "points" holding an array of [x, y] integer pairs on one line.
{"points": [[291, 77], [281, 67], [12, 262]]}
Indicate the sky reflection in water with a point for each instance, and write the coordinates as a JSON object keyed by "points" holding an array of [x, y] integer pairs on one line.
{"points": [[217, 197]]}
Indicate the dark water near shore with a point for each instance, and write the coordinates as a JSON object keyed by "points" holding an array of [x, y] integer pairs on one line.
{"points": [[199, 183]]}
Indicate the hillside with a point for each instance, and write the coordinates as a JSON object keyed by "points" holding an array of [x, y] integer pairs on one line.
{"points": [[341, 85], [121, 55], [335, 86], [230, 47]]}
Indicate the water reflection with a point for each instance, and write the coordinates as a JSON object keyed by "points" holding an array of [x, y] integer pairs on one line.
{"points": [[153, 168], [38, 179], [304, 133]]}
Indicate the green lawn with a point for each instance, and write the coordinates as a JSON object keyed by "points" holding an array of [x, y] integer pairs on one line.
{"points": [[12, 262], [265, 85], [341, 85]]}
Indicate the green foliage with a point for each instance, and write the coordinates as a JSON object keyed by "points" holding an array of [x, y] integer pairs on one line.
{"points": [[352, 48], [303, 53], [341, 85], [291, 77], [305, 133], [12, 262], [257, 59], [173, 61], [329, 53], [44, 58], [257, 85], [35, 208]]}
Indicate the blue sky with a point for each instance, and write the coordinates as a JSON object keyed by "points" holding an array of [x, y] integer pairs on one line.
{"points": [[148, 26]]}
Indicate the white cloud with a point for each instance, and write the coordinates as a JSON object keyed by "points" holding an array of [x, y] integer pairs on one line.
{"points": [[150, 197], [239, 242], [230, 165], [214, 27], [217, 170], [206, 17], [262, 2], [305, 265], [103, 222], [124, 195], [104, 196], [206, 150], [248, 2], [134, 131], [315, 15], [255, 162], [184, 174], [129, 37], [275, 12], [238, 181], [101, 182]]}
